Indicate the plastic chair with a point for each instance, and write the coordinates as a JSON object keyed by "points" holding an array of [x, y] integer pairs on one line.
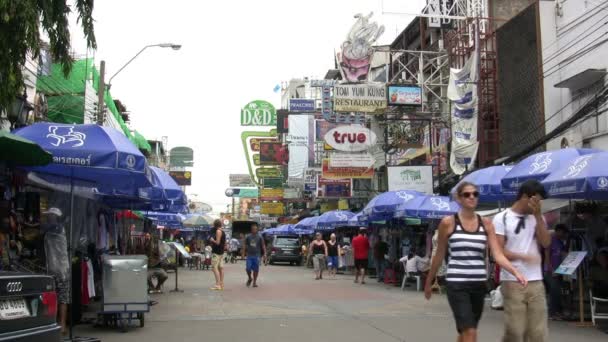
{"points": [[408, 276], [594, 302]]}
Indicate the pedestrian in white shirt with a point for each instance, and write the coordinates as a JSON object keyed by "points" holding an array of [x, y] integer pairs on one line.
{"points": [[522, 231]]}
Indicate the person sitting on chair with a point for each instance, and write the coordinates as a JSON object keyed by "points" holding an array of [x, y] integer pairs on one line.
{"points": [[155, 269]]}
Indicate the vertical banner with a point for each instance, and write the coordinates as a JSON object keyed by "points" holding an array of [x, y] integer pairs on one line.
{"points": [[297, 139], [462, 91]]}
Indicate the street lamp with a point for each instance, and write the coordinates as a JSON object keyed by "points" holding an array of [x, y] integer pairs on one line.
{"points": [[163, 45], [19, 112]]}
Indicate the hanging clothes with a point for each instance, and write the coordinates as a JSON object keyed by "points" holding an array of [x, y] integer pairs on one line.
{"points": [[90, 279], [84, 290]]}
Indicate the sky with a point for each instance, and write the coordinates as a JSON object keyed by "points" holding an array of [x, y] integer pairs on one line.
{"points": [[232, 52]]}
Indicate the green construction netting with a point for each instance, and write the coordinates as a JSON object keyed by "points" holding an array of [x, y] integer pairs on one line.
{"points": [[66, 97]]}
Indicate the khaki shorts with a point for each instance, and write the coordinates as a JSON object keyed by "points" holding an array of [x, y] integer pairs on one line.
{"points": [[217, 261]]}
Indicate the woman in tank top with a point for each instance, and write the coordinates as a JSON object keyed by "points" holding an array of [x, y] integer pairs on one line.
{"points": [[465, 238], [319, 253], [333, 253]]}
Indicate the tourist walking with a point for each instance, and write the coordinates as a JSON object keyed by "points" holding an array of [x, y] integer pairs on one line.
{"points": [[333, 253], [465, 236], [360, 246], [522, 231], [319, 252], [218, 247], [254, 249]]}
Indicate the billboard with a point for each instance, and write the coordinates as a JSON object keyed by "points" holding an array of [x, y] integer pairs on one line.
{"points": [[419, 178], [399, 95], [242, 192], [273, 153], [272, 182], [241, 180], [301, 105], [334, 188], [346, 172], [182, 178], [258, 113], [263, 172], [272, 208], [366, 98], [181, 157], [271, 194], [254, 143], [353, 138]]}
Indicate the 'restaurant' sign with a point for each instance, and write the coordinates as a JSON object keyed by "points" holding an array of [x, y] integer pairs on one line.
{"points": [[368, 98], [350, 138]]}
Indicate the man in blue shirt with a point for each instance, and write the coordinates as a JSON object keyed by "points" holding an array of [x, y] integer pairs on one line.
{"points": [[254, 248]]}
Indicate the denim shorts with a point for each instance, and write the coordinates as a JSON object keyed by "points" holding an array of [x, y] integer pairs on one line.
{"points": [[332, 262], [467, 300], [253, 264]]}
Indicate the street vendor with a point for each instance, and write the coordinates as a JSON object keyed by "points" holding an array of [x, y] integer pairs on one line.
{"points": [[155, 266]]}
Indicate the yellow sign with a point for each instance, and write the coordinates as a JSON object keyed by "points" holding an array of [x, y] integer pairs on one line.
{"points": [[268, 194], [329, 206], [267, 172], [343, 204], [271, 208]]}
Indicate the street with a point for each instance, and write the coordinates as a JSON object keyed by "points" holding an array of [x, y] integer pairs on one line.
{"points": [[290, 305]]}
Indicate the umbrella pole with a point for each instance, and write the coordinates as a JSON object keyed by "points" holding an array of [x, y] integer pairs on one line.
{"points": [[71, 327]]}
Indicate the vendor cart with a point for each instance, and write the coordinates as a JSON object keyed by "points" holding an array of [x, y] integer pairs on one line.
{"points": [[125, 290]]}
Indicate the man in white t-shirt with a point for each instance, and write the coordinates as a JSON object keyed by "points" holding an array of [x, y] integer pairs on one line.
{"points": [[522, 230]]}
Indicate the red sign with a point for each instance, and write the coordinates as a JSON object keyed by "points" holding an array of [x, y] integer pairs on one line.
{"points": [[273, 153], [346, 172]]}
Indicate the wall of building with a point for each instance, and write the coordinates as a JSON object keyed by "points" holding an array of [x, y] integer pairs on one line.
{"points": [[504, 10], [519, 89], [573, 39]]}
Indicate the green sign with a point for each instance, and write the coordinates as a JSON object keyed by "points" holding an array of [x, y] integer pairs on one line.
{"points": [[272, 172], [245, 137], [413, 221], [256, 159], [247, 193], [259, 113], [274, 183], [181, 157]]}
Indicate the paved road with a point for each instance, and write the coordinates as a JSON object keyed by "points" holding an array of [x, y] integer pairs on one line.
{"points": [[290, 305]]}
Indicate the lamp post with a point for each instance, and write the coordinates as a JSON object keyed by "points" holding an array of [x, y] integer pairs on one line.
{"points": [[102, 85], [18, 114], [163, 45]]}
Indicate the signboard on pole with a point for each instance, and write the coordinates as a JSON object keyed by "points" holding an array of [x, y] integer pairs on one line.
{"points": [[301, 105], [419, 178], [182, 178], [404, 95], [274, 183], [271, 194], [346, 172], [273, 153], [241, 180], [242, 192], [359, 160], [334, 188], [264, 172], [272, 208], [181, 157], [571, 263], [258, 113], [367, 98]]}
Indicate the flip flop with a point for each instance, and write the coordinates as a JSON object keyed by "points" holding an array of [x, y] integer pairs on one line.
{"points": [[255, 285], [249, 282], [216, 288]]}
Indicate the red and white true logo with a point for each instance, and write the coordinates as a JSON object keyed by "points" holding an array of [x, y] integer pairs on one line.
{"points": [[350, 138]]}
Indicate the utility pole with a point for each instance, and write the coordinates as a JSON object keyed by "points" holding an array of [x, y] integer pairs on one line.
{"points": [[100, 94]]}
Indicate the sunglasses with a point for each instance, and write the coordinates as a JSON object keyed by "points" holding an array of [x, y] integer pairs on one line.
{"points": [[467, 194]]}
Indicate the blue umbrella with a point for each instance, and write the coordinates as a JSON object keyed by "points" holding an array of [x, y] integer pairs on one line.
{"points": [[167, 185], [358, 220], [428, 207], [488, 183], [539, 166], [334, 218], [308, 223], [92, 153], [383, 206], [586, 177], [164, 219]]}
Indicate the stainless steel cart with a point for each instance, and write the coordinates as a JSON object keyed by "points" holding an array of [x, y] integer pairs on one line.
{"points": [[125, 290]]}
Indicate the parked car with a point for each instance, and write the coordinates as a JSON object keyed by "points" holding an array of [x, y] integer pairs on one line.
{"points": [[28, 308], [286, 248]]}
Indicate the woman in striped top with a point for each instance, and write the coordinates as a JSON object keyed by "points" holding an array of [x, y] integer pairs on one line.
{"points": [[466, 237]]}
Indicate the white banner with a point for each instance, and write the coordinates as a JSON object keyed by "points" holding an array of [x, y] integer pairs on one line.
{"points": [[367, 98], [462, 91], [419, 178], [351, 160], [463, 157], [298, 145]]}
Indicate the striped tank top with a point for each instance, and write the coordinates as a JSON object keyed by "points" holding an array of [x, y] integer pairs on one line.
{"points": [[467, 254]]}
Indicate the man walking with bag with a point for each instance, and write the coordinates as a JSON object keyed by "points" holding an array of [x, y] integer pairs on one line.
{"points": [[522, 231]]}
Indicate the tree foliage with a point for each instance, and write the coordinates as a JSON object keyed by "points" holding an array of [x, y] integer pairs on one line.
{"points": [[21, 24]]}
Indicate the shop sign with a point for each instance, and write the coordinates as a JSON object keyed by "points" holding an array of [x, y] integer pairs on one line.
{"points": [[273, 153], [282, 121], [181, 157], [571, 263], [301, 105], [268, 172], [272, 208], [364, 160], [350, 138], [322, 83], [254, 143], [367, 98], [334, 188], [242, 192], [419, 178], [325, 207], [346, 172], [343, 204], [271, 194], [256, 159], [241, 180], [299, 205], [402, 95], [259, 113], [274, 183], [182, 178], [291, 193]]}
